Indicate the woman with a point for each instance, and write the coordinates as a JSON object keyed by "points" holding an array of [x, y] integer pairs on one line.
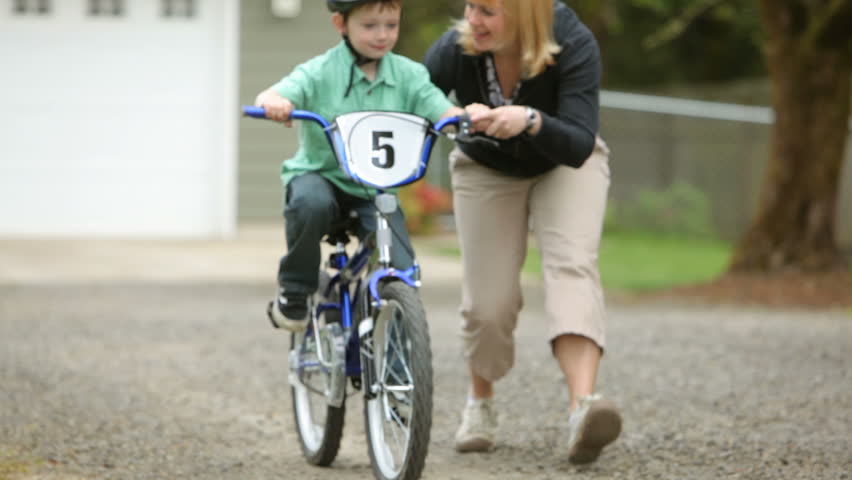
{"points": [[529, 73]]}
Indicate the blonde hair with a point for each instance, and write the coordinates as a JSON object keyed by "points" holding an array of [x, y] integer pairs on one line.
{"points": [[530, 24]]}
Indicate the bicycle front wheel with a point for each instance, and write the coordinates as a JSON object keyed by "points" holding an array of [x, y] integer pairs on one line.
{"points": [[399, 416]]}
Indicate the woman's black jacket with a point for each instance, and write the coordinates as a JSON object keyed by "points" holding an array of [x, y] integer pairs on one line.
{"points": [[566, 94]]}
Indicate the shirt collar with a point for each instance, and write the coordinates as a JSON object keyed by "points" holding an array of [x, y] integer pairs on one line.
{"points": [[384, 74]]}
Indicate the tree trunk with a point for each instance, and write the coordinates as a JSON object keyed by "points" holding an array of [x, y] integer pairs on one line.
{"points": [[795, 224]]}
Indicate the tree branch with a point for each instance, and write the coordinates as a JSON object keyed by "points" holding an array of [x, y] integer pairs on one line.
{"points": [[830, 25], [678, 25]]}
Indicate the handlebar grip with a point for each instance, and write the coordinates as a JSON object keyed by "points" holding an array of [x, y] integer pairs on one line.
{"points": [[252, 111], [461, 121], [260, 112]]}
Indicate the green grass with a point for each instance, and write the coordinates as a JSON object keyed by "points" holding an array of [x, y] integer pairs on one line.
{"points": [[644, 261]]}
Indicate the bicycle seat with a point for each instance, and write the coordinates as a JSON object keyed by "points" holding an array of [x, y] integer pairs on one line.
{"points": [[342, 227]]}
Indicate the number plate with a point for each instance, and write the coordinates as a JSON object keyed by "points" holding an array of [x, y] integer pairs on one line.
{"points": [[383, 149]]}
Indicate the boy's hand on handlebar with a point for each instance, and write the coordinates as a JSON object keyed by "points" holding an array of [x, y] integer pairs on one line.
{"points": [[279, 110], [277, 107]]}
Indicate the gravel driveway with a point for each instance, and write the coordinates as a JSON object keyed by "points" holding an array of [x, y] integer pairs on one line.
{"points": [[137, 377]]}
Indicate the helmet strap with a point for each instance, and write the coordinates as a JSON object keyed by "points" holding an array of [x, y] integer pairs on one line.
{"points": [[359, 60]]}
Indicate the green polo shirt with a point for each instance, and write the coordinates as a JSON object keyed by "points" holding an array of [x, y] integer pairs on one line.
{"points": [[319, 84]]}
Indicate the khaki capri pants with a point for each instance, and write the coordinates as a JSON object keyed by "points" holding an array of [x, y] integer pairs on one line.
{"points": [[565, 208]]}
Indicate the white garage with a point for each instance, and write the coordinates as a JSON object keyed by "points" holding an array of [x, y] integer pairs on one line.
{"points": [[118, 117]]}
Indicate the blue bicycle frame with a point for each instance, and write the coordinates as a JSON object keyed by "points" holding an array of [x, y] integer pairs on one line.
{"points": [[350, 269]]}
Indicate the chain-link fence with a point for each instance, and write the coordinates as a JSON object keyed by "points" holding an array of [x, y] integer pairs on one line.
{"points": [[717, 149]]}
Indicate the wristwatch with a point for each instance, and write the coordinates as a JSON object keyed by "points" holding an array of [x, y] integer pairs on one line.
{"points": [[530, 112]]}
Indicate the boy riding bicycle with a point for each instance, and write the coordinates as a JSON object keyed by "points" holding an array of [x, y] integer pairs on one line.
{"points": [[359, 73]]}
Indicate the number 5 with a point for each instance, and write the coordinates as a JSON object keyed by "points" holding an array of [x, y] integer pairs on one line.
{"points": [[387, 161]]}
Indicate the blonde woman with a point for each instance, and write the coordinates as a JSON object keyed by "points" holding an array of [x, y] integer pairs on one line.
{"points": [[529, 73]]}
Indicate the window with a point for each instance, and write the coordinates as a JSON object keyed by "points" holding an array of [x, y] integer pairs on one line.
{"points": [[106, 8], [31, 7], [179, 8]]}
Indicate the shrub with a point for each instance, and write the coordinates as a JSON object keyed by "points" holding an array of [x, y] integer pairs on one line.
{"points": [[681, 209], [423, 203]]}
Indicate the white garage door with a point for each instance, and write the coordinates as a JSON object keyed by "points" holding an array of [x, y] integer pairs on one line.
{"points": [[118, 117]]}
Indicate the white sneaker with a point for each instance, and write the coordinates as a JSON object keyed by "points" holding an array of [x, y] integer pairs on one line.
{"points": [[478, 428], [595, 424]]}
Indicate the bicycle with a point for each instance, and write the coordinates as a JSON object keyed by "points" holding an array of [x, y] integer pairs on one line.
{"points": [[367, 321]]}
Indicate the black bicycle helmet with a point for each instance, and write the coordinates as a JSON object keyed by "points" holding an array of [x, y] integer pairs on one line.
{"points": [[343, 6]]}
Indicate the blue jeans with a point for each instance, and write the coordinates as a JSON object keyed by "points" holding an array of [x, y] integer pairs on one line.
{"points": [[312, 203]]}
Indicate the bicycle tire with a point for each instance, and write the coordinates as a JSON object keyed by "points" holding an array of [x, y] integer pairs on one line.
{"points": [[319, 439], [400, 332]]}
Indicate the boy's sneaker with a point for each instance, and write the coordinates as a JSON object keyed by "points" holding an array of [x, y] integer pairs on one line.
{"points": [[478, 428], [595, 424], [289, 311]]}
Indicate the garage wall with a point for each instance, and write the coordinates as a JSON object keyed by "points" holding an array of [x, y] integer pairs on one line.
{"points": [[270, 48], [120, 123]]}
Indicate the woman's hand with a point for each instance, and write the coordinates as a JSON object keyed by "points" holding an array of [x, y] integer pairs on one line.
{"points": [[501, 122], [277, 107], [479, 120]]}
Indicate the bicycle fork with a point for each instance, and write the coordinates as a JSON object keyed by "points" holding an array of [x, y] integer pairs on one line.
{"points": [[386, 204]]}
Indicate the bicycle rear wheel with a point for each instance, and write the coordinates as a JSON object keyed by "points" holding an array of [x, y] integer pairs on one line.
{"points": [[399, 416], [312, 383]]}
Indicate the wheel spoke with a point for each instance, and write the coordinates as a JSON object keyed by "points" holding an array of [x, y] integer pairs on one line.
{"points": [[402, 347], [397, 387], [401, 422], [395, 432], [395, 354]]}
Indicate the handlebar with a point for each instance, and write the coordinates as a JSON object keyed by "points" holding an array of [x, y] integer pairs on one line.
{"points": [[254, 112], [462, 121], [260, 112]]}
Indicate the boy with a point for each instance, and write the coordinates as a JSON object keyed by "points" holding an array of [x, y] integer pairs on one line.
{"points": [[360, 73]]}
